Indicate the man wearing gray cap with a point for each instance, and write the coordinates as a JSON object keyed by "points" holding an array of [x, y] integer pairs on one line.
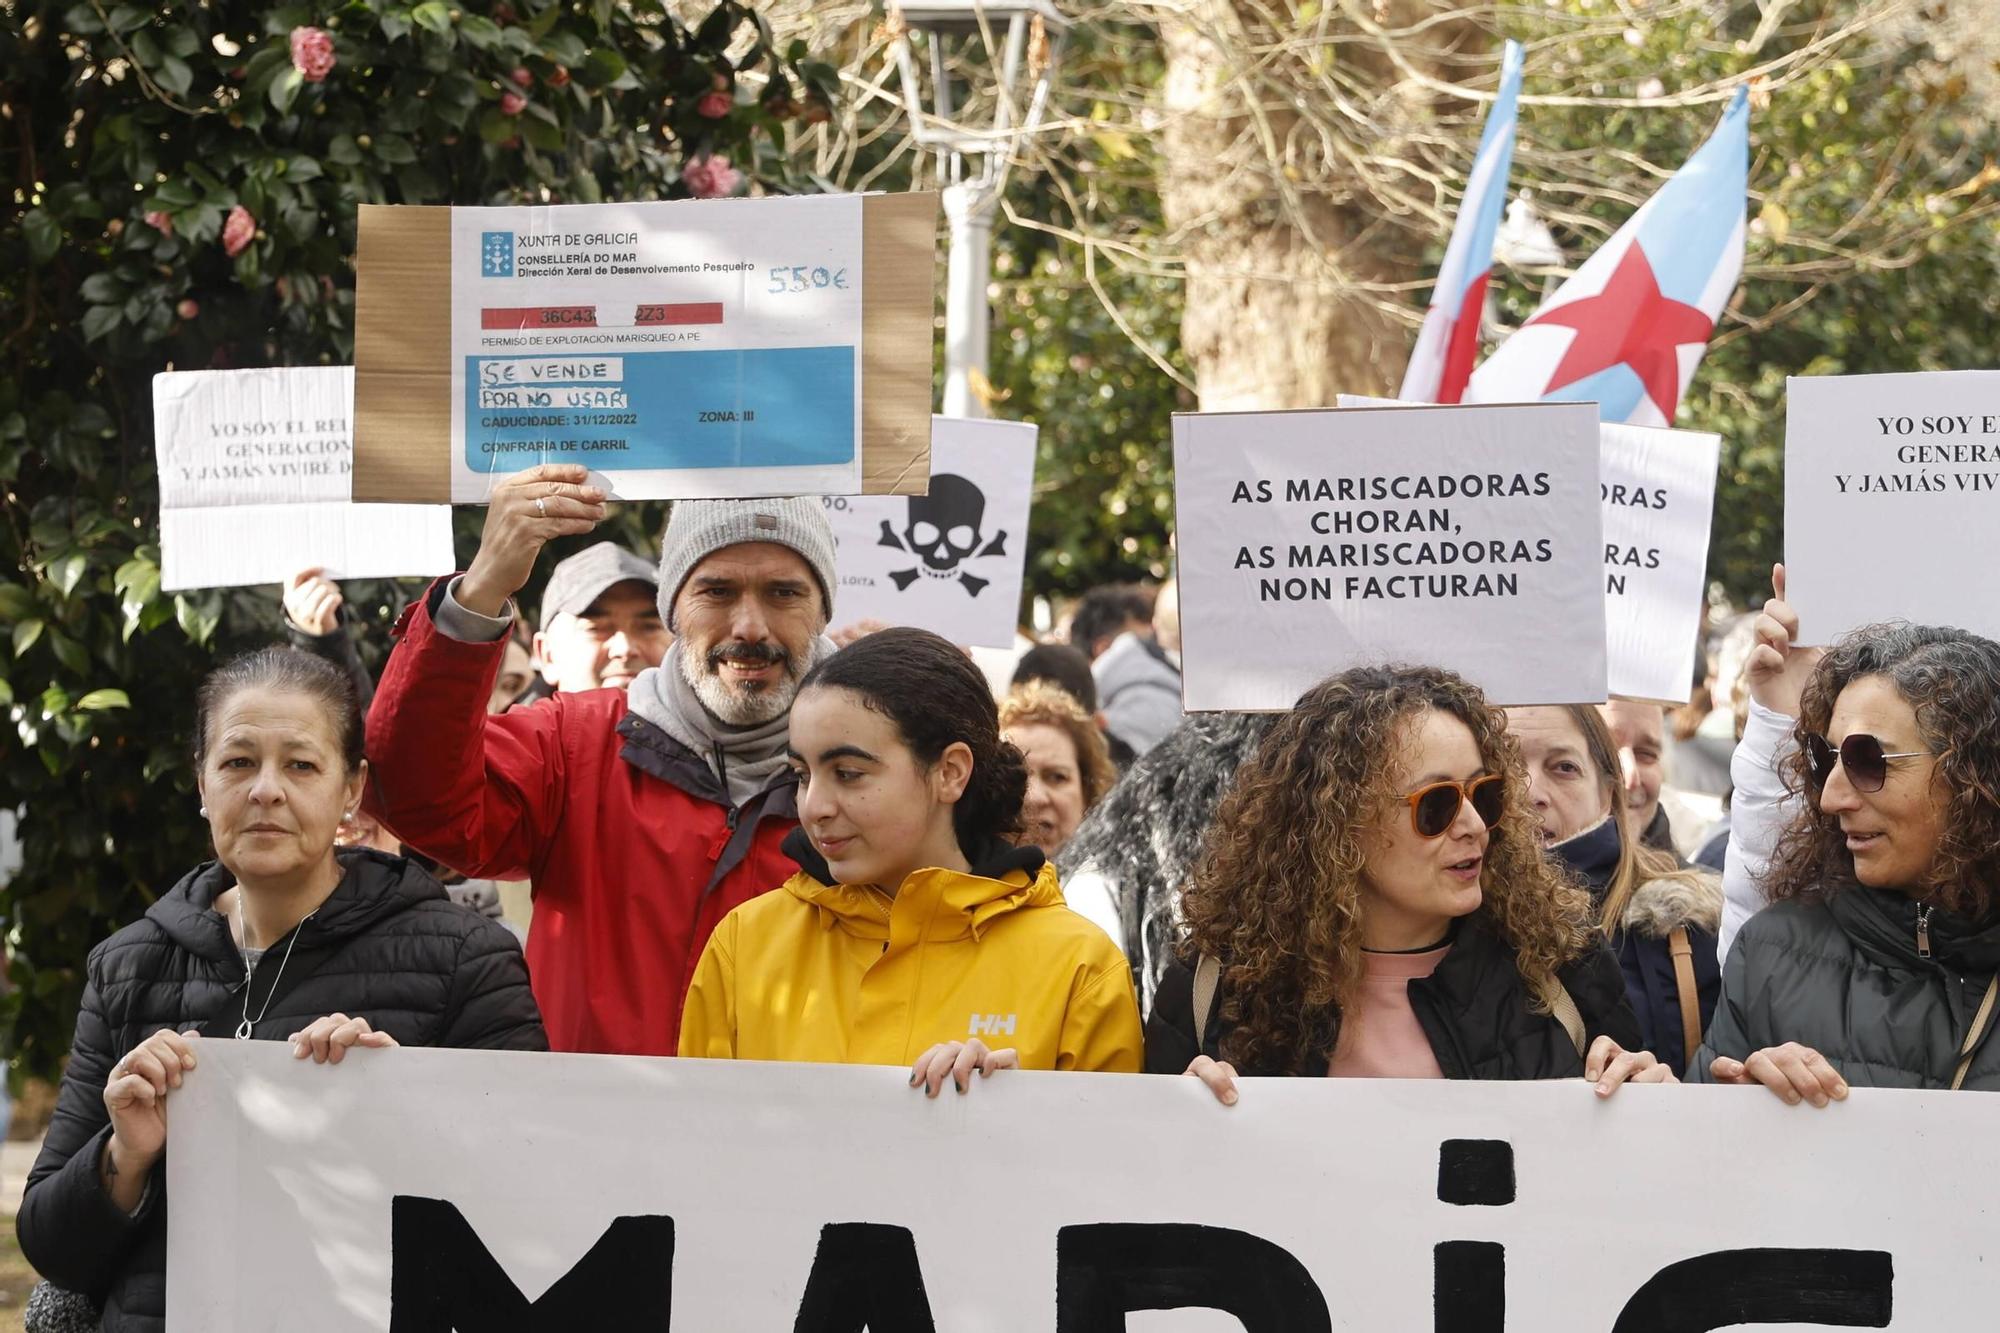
{"points": [[642, 815], [601, 622]]}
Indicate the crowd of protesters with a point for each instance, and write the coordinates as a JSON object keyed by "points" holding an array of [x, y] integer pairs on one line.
{"points": [[730, 838]]}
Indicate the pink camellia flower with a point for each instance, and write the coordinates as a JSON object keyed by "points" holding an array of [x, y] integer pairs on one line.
{"points": [[512, 104], [160, 222], [188, 309], [312, 53], [238, 230], [710, 177], [714, 105], [522, 75]]}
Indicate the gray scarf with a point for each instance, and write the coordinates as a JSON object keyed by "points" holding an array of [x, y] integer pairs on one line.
{"points": [[743, 759]]}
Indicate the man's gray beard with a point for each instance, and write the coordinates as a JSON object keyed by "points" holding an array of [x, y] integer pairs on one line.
{"points": [[734, 708]]}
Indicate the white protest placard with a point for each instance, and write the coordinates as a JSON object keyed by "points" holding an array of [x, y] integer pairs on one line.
{"points": [[678, 349], [1659, 496], [1658, 490], [951, 561], [1892, 492], [430, 1190], [1461, 537], [254, 469]]}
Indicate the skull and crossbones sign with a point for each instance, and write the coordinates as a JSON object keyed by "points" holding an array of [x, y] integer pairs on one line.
{"points": [[943, 531]]}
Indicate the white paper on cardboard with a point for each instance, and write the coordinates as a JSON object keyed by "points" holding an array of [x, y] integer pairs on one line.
{"points": [[677, 349]]}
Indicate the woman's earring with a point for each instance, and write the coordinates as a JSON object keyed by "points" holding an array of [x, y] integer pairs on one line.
{"points": [[347, 818], [204, 812]]}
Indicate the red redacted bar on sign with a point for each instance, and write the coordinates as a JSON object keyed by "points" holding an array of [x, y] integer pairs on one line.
{"points": [[638, 315]]}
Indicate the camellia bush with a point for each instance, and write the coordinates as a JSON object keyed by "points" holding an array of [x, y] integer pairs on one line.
{"points": [[180, 192]]}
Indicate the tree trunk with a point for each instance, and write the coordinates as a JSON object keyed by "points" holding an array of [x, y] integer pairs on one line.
{"points": [[1289, 296]]}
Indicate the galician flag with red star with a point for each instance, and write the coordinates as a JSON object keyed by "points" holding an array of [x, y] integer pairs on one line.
{"points": [[1629, 327]]}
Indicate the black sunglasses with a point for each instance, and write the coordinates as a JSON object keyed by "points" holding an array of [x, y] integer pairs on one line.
{"points": [[1860, 754], [1434, 808]]}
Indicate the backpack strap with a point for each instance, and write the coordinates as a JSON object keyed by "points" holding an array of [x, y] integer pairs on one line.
{"points": [[1681, 948], [1207, 976], [1980, 1022], [1562, 1008]]}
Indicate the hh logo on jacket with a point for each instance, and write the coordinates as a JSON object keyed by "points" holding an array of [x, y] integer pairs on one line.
{"points": [[992, 1025]]}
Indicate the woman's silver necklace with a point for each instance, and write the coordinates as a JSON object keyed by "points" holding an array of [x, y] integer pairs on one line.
{"points": [[244, 1028]]}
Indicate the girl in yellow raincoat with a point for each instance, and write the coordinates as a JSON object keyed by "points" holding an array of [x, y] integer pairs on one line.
{"points": [[916, 932]]}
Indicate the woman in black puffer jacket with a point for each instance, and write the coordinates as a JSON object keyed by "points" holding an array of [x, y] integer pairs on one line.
{"points": [[283, 937], [1878, 962]]}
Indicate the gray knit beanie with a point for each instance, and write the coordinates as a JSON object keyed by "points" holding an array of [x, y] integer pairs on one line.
{"points": [[698, 529]]}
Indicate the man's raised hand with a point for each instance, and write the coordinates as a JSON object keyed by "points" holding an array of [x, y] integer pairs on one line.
{"points": [[523, 513]]}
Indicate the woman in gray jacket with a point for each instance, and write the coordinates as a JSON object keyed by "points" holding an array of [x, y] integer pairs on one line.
{"points": [[1878, 962]]}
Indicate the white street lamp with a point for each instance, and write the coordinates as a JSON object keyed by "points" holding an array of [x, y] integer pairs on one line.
{"points": [[1015, 43]]}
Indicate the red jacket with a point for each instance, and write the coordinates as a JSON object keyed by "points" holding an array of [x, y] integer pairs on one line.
{"points": [[633, 847]]}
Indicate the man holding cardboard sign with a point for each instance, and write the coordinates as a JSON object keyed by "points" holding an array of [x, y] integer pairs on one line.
{"points": [[643, 815]]}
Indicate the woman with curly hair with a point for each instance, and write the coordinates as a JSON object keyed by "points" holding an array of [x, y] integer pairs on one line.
{"points": [[1372, 901], [1878, 962]]}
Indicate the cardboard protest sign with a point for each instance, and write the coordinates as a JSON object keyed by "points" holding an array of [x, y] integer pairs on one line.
{"points": [[1892, 492], [1463, 537], [696, 348], [1658, 491], [254, 472], [434, 1189], [951, 561]]}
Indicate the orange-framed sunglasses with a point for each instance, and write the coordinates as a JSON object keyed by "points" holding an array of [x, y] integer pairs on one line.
{"points": [[1434, 809]]}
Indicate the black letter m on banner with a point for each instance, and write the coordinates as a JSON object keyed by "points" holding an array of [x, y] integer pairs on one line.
{"points": [[444, 1281]]}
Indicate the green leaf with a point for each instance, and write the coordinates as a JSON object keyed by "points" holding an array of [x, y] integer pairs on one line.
{"points": [[302, 168], [6, 693], [15, 601], [601, 67], [67, 571], [174, 75], [494, 127], [542, 134], [43, 234], [101, 289], [432, 14], [285, 90], [479, 32], [342, 149], [72, 654], [394, 149], [566, 48], [100, 320], [97, 701], [25, 634]]}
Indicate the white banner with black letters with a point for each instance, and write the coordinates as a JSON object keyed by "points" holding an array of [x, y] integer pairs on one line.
{"points": [[425, 1191], [1462, 537], [951, 561]]}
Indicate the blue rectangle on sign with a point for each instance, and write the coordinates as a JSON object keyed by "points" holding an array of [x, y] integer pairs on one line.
{"points": [[765, 407]]}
